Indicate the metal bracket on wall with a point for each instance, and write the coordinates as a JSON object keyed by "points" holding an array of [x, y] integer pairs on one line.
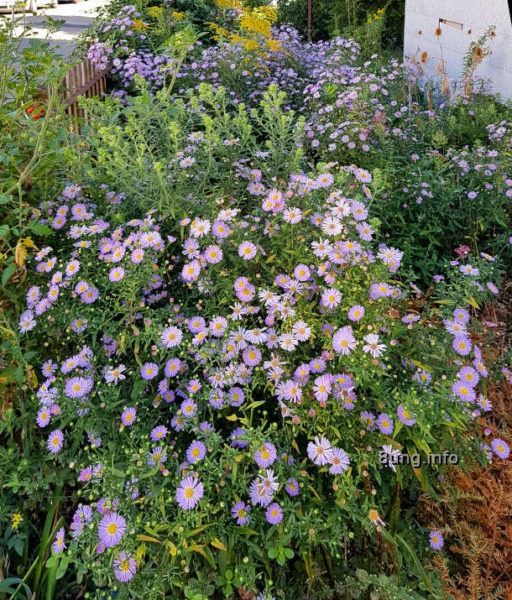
{"points": [[449, 23]]}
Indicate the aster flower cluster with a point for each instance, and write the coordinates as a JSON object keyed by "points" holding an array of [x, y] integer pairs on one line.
{"points": [[293, 66], [305, 332]]}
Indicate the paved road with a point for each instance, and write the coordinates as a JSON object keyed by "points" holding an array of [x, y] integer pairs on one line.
{"points": [[77, 18]]}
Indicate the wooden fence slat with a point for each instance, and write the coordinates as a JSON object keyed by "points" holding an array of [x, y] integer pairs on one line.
{"points": [[83, 80]]}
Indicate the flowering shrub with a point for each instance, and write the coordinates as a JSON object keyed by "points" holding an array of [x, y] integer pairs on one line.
{"points": [[239, 388], [221, 386]]}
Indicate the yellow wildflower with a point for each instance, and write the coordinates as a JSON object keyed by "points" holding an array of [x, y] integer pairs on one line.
{"points": [[251, 23], [267, 12], [237, 39], [177, 16], [139, 24], [226, 3], [251, 45], [16, 520], [274, 45], [154, 11]]}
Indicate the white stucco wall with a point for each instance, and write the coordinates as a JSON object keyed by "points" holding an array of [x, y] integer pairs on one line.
{"points": [[475, 16]]}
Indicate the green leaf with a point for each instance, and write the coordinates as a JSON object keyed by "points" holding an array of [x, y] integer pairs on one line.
{"points": [[10, 584], [40, 228], [62, 567], [4, 230], [7, 273]]}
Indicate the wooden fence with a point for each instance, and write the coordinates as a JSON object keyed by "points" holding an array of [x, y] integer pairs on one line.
{"points": [[83, 80]]}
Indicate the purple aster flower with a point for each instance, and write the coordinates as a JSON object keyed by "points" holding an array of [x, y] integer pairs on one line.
{"points": [[58, 544], [247, 250], [274, 513], [436, 540], [27, 321], [356, 313], [157, 457], [189, 492], [128, 416], [385, 424], [410, 318], [236, 396], [171, 337], [251, 356], [265, 455], [500, 448], [236, 440], [193, 386], [213, 254], [149, 371], [191, 271], [115, 374], [302, 272], [78, 325], [116, 274], [405, 416], [317, 365], [111, 529], [33, 295], [173, 367], [43, 417], [196, 452], [83, 513], [339, 461], [368, 419], [461, 315], [125, 567], [422, 377], [78, 387], [320, 451], [322, 387], [217, 326], [85, 474], [259, 494], [462, 345], [380, 290], [158, 433], [48, 368], [469, 375], [188, 408], [220, 229], [90, 295], [292, 487], [196, 324], [344, 341], [72, 268], [241, 513], [463, 390], [137, 256], [492, 288]]}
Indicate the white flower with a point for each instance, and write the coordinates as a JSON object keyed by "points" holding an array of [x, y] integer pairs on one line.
{"points": [[319, 451], [288, 341], [302, 331], [372, 346], [199, 227], [389, 456], [331, 226]]}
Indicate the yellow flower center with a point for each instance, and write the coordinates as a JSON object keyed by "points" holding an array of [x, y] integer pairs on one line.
{"points": [[111, 528]]}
